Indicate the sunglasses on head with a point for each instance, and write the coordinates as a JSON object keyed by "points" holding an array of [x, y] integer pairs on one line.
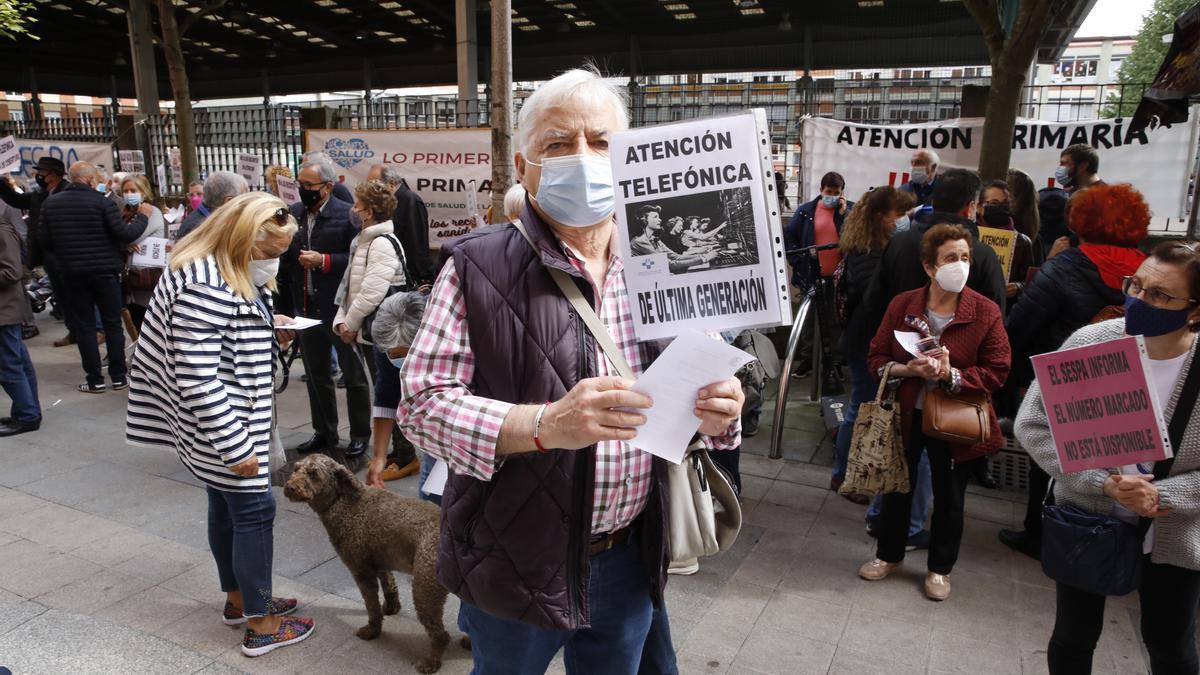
{"points": [[281, 216]]}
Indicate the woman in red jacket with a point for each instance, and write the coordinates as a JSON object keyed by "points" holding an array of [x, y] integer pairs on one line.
{"points": [[972, 357]]}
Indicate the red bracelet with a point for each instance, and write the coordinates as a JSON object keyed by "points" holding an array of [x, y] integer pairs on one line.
{"points": [[537, 428]]}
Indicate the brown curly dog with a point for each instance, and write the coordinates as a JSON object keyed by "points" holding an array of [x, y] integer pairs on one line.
{"points": [[374, 532]]}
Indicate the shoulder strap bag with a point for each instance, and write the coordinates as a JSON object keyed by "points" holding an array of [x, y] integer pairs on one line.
{"points": [[1102, 554], [703, 512], [876, 465], [365, 331]]}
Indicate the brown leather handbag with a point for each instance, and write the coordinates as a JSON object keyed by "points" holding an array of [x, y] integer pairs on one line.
{"points": [[956, 418]]}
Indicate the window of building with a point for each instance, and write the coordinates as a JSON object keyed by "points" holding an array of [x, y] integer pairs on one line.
{"points": [[1076, 68]]}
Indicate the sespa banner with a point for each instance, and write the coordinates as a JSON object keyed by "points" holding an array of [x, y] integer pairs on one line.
{"points": [[699, 226], [440, 165], [1156, 161], [31, 150]]}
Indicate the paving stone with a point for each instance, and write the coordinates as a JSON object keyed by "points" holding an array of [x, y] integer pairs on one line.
{"points": [[29, 569], [59, 642], [94, 592], [950, 653], [770, 650], [798, 497], [805, 617], [15, 611], [905, 642], [86, 483], [60, 528], [151, 608], [847, 661], [16, 502]]}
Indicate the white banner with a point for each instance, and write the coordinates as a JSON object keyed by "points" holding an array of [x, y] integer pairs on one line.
{"points": [[100, 154], [699, 232], [438, 165], [1157, 162]]}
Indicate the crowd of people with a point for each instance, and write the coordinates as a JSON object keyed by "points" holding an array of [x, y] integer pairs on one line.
{"points": [[555, 527]]}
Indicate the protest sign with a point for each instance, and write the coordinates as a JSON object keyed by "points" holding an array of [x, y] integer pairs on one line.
{"points": [[132, 161], [437, 164], [1103, 413], [288, 189], [1156, 161], [151, 252], [10, 155], [1004, 243], [176, 167], [700, 234], [99, 154], [250, 167], [161, 172]]}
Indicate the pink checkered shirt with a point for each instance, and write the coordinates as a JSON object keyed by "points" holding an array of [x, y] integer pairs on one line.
{"points": [[440, 415]]}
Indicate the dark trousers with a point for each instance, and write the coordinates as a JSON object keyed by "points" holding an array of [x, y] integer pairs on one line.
{"points": [[241, 531], [315, 345], [17, 376], [1039, 484], [386, 381], [1168, 596], [621, 618], [85, 296], [949, 493]]}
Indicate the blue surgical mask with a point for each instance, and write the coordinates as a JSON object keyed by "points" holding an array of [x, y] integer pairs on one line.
{"points": [[102, 188], [1063, 176], [575, 190], [830, 201], [398, 362], [903, 223], [133, 198], [1142, 318], [919, 175]]}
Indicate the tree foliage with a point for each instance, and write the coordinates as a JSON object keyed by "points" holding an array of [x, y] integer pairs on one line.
{"points": [[15, 19], [1141, 66]]}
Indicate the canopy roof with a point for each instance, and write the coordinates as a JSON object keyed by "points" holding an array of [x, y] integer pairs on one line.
{"points": [[253, 47]]}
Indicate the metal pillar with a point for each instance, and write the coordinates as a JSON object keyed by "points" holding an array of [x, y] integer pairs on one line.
{"points": [[467, 59], [501, 102]]}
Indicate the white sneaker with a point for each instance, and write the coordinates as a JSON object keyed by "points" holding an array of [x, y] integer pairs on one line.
{"points": [[684, 568]]}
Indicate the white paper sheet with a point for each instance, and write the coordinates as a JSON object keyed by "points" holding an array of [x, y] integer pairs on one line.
{"points": [[299, 323], [289, 189], [435, 482], [152, 252], [691, 362], [908, 339]]}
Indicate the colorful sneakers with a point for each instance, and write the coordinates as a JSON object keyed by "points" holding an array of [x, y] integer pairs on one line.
{"points": [[232, 616], [291, 630]]}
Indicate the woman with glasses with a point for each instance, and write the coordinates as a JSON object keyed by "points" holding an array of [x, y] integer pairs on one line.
{"points": [[201, 384], [1162, 304], [1069, 291]]}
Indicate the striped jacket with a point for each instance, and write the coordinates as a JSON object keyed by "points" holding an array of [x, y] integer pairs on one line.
{"points": [[201, 377]]}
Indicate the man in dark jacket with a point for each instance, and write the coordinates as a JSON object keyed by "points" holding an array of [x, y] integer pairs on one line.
{"points": [[50, 174], [411, 224], [220, 187], [815, 223], [16, 369], [954, 201], [309, 275], [85, 233], [923, 175]]}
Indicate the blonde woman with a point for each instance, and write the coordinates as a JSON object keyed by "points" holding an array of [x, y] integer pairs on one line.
{"points": [[201, 385], [135, 191]]}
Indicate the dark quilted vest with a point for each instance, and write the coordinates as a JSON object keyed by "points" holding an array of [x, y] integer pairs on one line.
{"points": [[517, 546]]}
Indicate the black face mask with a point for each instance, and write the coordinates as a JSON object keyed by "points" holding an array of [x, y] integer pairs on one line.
{"points": [[996, 215], [41, 181], [310, 198]]}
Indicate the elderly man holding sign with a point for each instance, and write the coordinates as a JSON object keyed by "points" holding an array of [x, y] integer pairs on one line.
{"points": [[553, 525], [1146, 491]]}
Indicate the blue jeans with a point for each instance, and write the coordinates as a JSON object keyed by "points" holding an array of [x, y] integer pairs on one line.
{"points": [[862, 389], [621, 614], [921, 496], [427, 462], [17, 376], [241, 529]]}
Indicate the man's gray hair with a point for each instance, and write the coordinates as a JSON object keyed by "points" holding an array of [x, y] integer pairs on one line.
{"points": [[931, 157], [389, 174], [323, 166], [81, 172], [222, 186], [397, 320], [584, 86], [514, 202]]}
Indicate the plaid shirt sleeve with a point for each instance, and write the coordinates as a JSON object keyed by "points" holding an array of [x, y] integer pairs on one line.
{"points": [[437, 410]]}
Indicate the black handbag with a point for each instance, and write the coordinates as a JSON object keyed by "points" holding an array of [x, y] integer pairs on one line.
{"points": [[368, 323], [1102, 554]]}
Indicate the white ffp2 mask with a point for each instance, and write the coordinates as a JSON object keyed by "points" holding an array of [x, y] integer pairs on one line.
{"points": [[262, 271], [952, 277]]}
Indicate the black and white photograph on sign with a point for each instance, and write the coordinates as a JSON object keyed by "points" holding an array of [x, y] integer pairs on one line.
{"points": [[698, 232]]}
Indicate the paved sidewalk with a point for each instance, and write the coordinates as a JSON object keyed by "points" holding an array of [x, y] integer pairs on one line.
{"points": [[104, 569]]}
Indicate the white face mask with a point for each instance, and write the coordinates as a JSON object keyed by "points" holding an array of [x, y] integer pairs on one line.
{"points": [[398, 362], [919, 175], [576, 190], [262, 271], [952, 277], [902, 223]]}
